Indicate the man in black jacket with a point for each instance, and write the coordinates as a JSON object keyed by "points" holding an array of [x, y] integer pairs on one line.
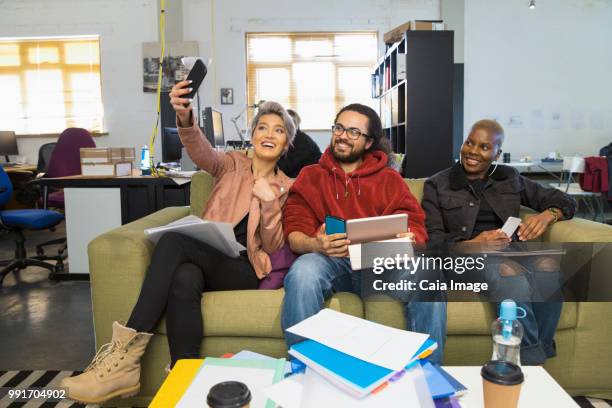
{"points": [[303, 152]]}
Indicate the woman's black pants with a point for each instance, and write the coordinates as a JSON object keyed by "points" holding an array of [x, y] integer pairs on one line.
{"points": [[181, 269]]}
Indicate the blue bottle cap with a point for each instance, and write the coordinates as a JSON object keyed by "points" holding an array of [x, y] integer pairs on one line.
{"points": [[507, 310]]}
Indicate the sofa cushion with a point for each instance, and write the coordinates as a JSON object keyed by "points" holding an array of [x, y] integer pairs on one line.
{"points": [[416, 187], [463, 317], [224, 312], [221, 310]]}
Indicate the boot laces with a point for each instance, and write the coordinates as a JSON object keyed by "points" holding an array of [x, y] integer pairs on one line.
{"points": [[106, 357]]}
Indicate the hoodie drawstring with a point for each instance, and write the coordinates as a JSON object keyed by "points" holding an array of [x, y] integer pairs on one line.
{"points": [[335, 183], [346, 183]]}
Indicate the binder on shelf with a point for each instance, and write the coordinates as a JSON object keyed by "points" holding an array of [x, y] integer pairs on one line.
{"points": [[401, 67], [374, 86]]}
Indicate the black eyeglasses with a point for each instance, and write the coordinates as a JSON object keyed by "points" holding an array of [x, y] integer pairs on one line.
{"points": [[352, 133]]}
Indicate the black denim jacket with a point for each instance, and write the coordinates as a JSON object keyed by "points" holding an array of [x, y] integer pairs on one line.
{"points": [[451, 205]]}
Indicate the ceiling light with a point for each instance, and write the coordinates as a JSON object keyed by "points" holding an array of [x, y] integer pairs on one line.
{"points": [[531, 4]]}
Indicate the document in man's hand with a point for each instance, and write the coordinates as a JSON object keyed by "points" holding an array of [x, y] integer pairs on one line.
{"points": [[219, 235], [388, 248]]}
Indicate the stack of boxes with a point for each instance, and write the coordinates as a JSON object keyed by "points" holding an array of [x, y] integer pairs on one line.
{"points": [[396, 34], [107, 161]]}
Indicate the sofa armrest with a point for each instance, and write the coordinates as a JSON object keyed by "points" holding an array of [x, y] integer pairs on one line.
{"points": [[118, 260], [578, 230], [201, 186]]}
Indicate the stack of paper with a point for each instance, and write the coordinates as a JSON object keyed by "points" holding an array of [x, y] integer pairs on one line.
{"points": [[256, 374], [354, 354], [310, 390]]}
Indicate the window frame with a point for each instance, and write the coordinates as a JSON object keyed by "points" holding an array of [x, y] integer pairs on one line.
{"points": [[28, 43], [338, 97]]}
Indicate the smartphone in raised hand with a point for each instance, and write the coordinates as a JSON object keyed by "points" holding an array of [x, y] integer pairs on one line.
{"points": [[196, 75]]}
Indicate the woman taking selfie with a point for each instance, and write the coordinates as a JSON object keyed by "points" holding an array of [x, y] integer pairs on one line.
{"points": [[248, 193]]}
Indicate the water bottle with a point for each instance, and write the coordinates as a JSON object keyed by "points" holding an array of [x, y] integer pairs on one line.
{"points": [[507, 333], [145, 161]]}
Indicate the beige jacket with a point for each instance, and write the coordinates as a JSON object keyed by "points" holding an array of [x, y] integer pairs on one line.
{"points": [[232, 197]]}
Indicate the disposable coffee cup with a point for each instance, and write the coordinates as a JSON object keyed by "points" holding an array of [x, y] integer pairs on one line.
{"points": [[501, 384], [229, 394]]}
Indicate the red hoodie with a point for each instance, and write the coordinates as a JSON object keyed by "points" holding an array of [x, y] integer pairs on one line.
{"points": [[372, 190]]}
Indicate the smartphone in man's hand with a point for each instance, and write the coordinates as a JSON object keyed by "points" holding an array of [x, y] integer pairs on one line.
{"points": [[334, 225]]}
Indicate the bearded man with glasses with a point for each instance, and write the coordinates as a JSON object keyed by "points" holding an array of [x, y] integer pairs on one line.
{"points": [[352, 180]]}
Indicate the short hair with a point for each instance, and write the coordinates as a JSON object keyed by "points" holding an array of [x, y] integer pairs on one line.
{"points": [[275, 108], [375, 130], [296, 118], [491, 127]]}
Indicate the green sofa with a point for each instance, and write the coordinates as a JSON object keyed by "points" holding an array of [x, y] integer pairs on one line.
{"points": [[237, 320]]}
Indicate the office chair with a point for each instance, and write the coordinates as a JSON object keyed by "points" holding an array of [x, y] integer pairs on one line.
{"points": [[65, 160], [44, 157], [14, 222], [574, 166]]}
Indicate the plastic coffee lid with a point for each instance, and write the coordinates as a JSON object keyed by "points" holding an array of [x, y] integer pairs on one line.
{"points": [[502, 372], [228, 394]]}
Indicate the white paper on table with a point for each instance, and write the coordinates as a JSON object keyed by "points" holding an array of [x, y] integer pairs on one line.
{"points": [[372, 342], [251, 355], [255, 378], [318, 392], [288, 392]]}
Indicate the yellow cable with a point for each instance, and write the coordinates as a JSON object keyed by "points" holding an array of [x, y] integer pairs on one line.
{"points": [[162, 34]]}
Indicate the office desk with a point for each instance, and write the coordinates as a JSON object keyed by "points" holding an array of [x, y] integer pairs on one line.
{"points": [[537, 166], [94, 205], [31, 168]]}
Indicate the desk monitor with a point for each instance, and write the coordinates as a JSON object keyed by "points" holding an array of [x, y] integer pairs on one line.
{"points": [[212, 124], [8, 144], [171, 145]]}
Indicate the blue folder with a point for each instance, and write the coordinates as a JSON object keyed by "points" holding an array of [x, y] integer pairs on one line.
{"points": [[358, 372], [440, 383], [363, 376]]}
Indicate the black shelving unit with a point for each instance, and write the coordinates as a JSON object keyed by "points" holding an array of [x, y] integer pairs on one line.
{"points": [[414, 84]]}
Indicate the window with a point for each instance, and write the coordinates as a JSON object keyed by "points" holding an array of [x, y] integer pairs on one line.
{"points": [[314, 73], [49, 84]]}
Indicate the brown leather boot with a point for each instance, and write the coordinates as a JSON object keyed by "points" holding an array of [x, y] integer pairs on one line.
{"points": [[114, 371]]}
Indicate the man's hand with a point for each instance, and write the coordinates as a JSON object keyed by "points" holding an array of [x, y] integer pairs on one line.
{"points": [[535, 226], [335, 245], [493, 239], [182, 106], [262, 190], [407, 234]]}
